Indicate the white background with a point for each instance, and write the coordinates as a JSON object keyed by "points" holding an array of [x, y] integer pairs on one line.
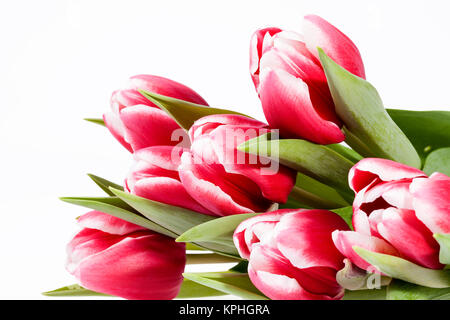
{"points": [[60, 61]]}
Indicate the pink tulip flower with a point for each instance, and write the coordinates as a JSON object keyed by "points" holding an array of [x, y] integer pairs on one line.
{"points": [[227, 181], [396, 210], [154, 176], [291, 253], [138, 123], [113, 256], [291, 83]]}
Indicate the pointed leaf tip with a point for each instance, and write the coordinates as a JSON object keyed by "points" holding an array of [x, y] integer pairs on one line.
{"points": [[183, 112]]}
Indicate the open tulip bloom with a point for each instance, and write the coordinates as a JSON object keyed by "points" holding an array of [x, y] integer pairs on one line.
{"points": [[331, 197]]}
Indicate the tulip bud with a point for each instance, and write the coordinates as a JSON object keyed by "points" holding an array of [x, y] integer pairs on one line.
{"points": [[291, 82], [154, 176], [396, 211], [112, 256], [137, 123], [291, 253], [227, 181]]}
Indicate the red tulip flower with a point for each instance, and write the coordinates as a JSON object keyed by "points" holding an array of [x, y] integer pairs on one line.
{"points": [[396, 211], [137, 123], [113, 256], [225, 180], [291, 83], [291, 253]]}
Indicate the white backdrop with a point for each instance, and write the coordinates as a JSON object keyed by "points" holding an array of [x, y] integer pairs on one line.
{"points": [[60, 60]]}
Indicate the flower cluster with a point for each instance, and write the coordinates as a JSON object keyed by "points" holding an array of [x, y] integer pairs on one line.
{"points": [[212, 180]]}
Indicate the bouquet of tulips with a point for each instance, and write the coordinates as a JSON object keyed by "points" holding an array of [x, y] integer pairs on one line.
{"points": [[335, 197]]}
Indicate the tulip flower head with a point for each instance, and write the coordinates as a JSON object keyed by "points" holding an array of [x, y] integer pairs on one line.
{"points": [[113, 256], [225, 180], [137, 123], [291, 253], [291, 83], [396, 211]]}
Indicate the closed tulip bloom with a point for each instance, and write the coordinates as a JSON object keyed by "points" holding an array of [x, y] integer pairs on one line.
{"points": [[113, 256], [154, 176], [396, 211], [291, 253], [136, 122], [291, 82], [227, 181]]}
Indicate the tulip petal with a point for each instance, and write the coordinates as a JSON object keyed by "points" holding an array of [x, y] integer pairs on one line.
{"points": [[166, 87], [107, 223], [269, 264], [304, 238], [287, 105], [368, 169], [169, 191], [146, 126], [256, 44], [320, 33], [346, 240], [207, 124], [206, 193], [431, 202], [274, 181], [241, 237], [410, 237], [117, 129]]}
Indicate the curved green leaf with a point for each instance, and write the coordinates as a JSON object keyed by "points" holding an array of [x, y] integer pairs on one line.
{"points": [[372, 131], [438, 161], [105, 184], [183, 112], [444, 252], [191, 289], [372, 294], [218, 230], [402, 269], [116, 207], [427, 130], [233, 283], [314, 160], [346, 214], [74, 290], [400, 290]]}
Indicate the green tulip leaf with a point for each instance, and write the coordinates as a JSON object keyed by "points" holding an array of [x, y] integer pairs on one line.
{"points": [[105, 184], [191, 289], [116, 207], [369, 129], [241, 267], [346, 214], [176, 219], [402, 269], [183, 112], [370, 294], [218, 230], [444, 242], [427, 130], [96, 121], [438, 161], [400, 290], [350, 154], [233, 283], [74, 290], [314, 160]]}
